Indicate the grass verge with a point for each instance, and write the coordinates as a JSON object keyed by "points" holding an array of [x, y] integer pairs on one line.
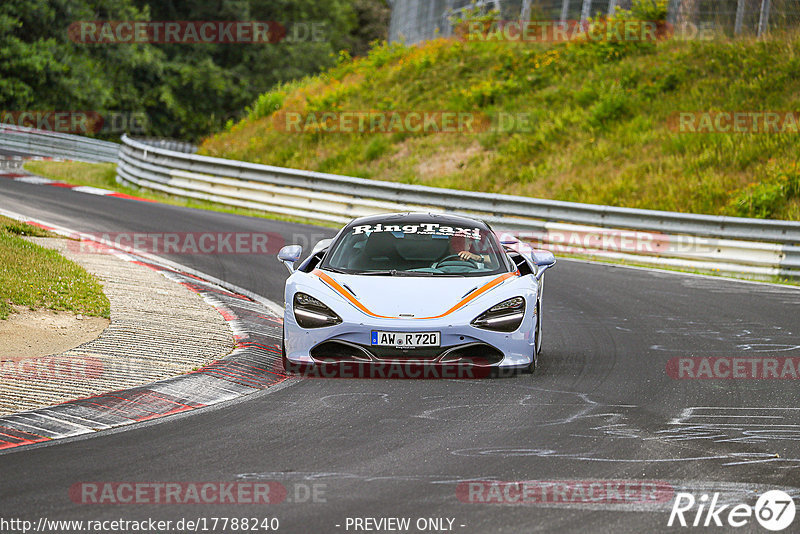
{"points": [[37, 277], [599, 122]]}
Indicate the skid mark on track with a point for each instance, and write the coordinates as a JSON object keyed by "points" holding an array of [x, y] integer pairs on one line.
{"points": [[726, 436], [730, 424], [721, 435], [704, 428], [739, 337], [730, 492]]}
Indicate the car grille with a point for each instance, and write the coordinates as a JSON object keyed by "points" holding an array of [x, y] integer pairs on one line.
{"points": [[470, 354]]}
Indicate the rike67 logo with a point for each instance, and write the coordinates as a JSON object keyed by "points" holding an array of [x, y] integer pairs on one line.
{"points": [[774, 510]]}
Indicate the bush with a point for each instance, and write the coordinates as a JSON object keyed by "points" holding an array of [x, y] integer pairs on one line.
{"points": [[611, 106], [768, 198], [266, 104], [652, 10]]}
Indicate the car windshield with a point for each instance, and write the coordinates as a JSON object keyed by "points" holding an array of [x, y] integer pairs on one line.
{"points": [[418, 249]]}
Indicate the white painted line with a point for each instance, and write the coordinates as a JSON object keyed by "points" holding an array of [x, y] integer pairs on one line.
{"points": [[33, 180], [92, 190]]}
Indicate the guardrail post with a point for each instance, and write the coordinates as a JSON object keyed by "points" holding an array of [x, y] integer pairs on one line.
{"points": [[432, 20], [673, 11], [737, 29], [763, 20], [586, 10], [447, 25], [686, 12], [525, 12], [790, 265]]}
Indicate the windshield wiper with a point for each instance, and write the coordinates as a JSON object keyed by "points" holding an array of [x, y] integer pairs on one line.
{"points": [[378, 273], [335, 270], [394, 272]]}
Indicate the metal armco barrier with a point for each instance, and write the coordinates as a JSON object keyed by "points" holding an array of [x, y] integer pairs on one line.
{"points": [[730, 245], [56, 145]]}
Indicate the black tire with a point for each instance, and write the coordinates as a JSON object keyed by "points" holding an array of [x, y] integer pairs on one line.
{"points": [[537, 346], [283, 349]]}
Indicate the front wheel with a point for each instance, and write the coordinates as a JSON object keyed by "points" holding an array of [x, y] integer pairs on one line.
{"points": [[538, 328], [537, 345], [284, 360]]}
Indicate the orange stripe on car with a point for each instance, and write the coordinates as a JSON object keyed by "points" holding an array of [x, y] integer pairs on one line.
{"points": [[346, 294], [333, 284]]}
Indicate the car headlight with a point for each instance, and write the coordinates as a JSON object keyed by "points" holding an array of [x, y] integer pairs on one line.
{"points": [[504, 317], [311, 313]]}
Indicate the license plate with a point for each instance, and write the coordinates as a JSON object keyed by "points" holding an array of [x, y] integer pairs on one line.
{"points": [[406, 339]]}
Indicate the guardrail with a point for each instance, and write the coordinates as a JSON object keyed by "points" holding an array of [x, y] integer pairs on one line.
{"points": [[54, 144], [759, 248], [731, 245], [170, 144]]}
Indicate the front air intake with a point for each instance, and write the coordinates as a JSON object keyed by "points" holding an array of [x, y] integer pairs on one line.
{"points": [[340, 351], [479, 354]]}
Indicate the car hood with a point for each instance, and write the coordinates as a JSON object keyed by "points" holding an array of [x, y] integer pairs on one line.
{"points": [[404, 296]]}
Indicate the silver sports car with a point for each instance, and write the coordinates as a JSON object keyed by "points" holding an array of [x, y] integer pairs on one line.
{"points": [[415, 288]]}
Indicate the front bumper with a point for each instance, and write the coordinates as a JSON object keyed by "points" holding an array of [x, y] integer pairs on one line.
{"points": [[460, 344]]}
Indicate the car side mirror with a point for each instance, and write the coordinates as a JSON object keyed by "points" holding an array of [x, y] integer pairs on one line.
{"points": [[543, 260], [289, 255]]}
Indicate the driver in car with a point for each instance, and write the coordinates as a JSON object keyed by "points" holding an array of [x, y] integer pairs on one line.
{"points": [[464, 245]]}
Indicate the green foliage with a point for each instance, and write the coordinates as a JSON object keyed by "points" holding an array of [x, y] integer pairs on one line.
{"points": [[769, 197], [597, 121], [266, 104], [645, 10], [185, 90], [36, 277], [376, 148], [652, 10], [611, 106], [21, 228], [474, 14]]}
